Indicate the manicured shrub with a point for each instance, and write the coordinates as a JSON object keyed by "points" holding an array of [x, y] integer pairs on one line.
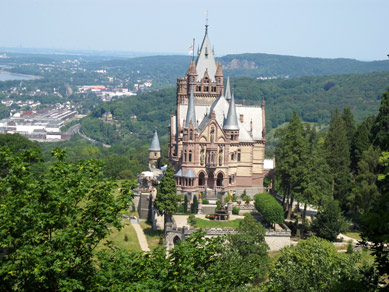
{"points": [[269, 208], [192, 220], [235, 210], [181, 209], [205, 202]]}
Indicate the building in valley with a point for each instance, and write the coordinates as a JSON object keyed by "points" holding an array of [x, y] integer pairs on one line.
{"points": [[215, 144]]}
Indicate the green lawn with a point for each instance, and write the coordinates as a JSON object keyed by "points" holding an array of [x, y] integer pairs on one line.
{"points": [[354, 235], [205, 223], [152, 236], [120, 240]]}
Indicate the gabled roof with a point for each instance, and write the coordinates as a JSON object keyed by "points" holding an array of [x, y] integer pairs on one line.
{"points": [[155, 143], [231, 122], [206, 60], [227, 94], [191, 113]]}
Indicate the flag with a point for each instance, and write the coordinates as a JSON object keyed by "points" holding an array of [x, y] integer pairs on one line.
{"points": [[190, 50]]}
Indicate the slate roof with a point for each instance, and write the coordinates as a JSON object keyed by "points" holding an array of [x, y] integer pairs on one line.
{"points": [[189, 173], [206, 60], [231, 122], [191, 113], [155, 143]]}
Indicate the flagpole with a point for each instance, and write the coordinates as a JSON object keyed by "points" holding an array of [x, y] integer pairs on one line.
{"points": [[193, 49]]}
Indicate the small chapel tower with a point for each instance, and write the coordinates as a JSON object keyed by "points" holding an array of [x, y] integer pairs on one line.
{"points": [[155, 153]]}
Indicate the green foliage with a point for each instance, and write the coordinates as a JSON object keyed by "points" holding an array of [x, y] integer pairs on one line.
{"points": [[329, 222], [365, 191], [185, 204], [52, 225], [313, 265], [235, 210], [195, 205], [338, 158], [205, 202], [250, 249], [191, 220], [166, 199], [381, 126], [269, 208]]}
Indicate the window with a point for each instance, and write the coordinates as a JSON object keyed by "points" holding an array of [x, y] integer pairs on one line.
{"points": [[191, 135], [198, 88], [238, 155], [212, 135], [201, 179], [190, 155], [206, 88], [155, 154], [185, 155], [232, 157], [213, 89]]}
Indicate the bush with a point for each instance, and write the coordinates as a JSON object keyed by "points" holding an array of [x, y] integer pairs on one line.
{"points": [[180, 209], [218, 204], [235, 210], [269, 208], [211, 217], [192, 220], [207, 216], [205, 202]]}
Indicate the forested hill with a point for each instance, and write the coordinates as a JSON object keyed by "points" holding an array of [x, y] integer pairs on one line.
{"points": [[164, 70], [269, 65], [313, 98]]}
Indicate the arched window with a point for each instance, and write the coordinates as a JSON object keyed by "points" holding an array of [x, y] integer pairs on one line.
{"points": [[185, 155], [219, 181], [191, 135], [190, 155], [238, 155], [232, 157], [201, 179]]}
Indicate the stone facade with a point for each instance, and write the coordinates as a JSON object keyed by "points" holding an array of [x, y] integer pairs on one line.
{"points": [[215, 145]]}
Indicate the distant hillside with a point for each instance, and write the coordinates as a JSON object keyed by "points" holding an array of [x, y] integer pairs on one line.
{"points": [[164, 70], [268, 65]]}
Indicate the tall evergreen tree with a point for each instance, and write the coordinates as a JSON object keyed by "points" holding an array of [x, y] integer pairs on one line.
{"points": [[338, 158], [365, 191], [381, 125], [349, 124], [195, 205], [361, 142], [289, 153], [166, 199]]}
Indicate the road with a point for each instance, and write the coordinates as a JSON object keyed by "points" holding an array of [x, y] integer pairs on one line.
{"points": [[76, 129]]}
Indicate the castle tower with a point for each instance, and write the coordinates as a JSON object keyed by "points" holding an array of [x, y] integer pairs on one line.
{"points": [[155, 153]]}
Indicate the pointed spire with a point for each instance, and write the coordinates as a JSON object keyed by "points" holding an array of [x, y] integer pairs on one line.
{"points": [[192, 68], [155, 143], [232, 119], [219, 70], [228, 89], [191, 113], [205, 59]]}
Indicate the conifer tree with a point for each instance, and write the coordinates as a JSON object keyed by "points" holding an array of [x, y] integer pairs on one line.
{"points": [[365, 191], [381, 125], [186, 204], [361, 142], [167, 199], [338, 158], [349, 124], [195, 205]]}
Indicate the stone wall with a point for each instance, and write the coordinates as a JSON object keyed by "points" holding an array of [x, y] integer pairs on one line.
{"points": [[275, 239]]}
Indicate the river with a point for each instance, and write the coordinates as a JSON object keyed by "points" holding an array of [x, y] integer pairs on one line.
{"points": [[5, 76]]}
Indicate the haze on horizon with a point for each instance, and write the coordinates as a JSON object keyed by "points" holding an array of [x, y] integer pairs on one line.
{"points": [[310, 28]]}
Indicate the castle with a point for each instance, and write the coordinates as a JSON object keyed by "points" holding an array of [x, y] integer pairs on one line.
{"points": [[215, 144]]}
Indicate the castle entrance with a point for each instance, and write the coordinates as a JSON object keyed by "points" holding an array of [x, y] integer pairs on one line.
{"points": [[210, 181]]}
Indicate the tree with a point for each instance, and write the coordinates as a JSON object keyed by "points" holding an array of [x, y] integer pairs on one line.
{"points": [[195, 205], [380, 131], [338, 158], [166, 199], [365, 191], [375, 222], [185, 204], [51, 226], [250, 248], [329, 222], [361, 142], [289, 153], [313, 265], [349, 124]]}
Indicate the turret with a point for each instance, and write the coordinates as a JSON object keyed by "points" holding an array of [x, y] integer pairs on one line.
{"points": [[231, 126], [228, 90], [155, 153], [191, 113]]}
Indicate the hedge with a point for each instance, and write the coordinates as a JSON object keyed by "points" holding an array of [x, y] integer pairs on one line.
{"points": [[269, 208]]}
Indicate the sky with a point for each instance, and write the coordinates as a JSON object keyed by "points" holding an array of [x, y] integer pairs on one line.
{"points": [[355, 29]]}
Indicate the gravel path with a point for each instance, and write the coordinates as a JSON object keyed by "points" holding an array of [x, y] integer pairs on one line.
{"points": [[141, 236]]}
